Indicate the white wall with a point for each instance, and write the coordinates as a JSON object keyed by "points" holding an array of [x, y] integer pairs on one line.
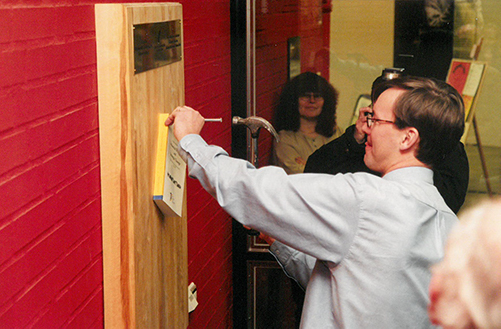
{"points": [[361, 47], [488, 109]]}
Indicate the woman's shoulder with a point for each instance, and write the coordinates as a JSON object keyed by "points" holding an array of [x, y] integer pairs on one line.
{"points": [[287, 135], [338, 132]]}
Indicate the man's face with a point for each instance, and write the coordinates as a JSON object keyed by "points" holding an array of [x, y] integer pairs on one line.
{"points": [[383, 138]]}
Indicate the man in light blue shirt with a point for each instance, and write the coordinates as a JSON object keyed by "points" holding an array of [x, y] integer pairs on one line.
{"points": [[373, 238]]}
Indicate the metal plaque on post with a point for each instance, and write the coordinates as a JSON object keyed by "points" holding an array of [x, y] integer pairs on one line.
{"points": [[156, 45]]}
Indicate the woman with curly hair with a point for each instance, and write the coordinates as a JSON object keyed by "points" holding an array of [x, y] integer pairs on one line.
{"points": [[305, 119]]}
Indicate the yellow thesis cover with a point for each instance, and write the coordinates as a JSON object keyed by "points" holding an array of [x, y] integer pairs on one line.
{"points": [[170, 172]]}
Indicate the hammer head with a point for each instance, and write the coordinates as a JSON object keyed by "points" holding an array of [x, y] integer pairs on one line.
{"points": [[254, 124]]}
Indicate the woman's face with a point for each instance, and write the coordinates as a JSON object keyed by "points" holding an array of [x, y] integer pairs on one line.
{"points": [[310, 105]]}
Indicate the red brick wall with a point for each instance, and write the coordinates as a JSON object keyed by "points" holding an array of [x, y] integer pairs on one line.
{"points": [[207, 74], [50, 222]]}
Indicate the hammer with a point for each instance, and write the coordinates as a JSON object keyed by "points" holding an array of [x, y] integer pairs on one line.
{"points": [[254, 124]]}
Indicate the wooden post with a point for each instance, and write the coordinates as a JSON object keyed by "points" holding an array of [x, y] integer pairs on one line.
{"points": [[144, 254]]}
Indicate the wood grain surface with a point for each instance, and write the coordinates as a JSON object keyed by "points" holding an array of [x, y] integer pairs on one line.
{"points": [[144, 254]]}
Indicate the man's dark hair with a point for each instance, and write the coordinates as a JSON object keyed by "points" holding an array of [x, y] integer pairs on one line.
{"points": [[287, 111], [431, 106]]}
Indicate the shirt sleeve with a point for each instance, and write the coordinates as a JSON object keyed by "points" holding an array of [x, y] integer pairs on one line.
{"points": [[315, 214], [296, 265]]}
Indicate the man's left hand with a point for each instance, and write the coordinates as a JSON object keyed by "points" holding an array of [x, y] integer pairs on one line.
{"points": [[185, 121]]}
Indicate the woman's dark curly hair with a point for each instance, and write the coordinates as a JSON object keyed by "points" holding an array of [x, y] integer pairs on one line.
{"points": [[287, 111]]}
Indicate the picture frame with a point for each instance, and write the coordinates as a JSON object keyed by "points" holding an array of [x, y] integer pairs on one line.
{"points": [[294, 57]]}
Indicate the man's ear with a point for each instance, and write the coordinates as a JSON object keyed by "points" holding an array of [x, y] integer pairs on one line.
{"points": [[410, 138]]}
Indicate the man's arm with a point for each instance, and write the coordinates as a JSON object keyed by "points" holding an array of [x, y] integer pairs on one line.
{"points": [[296, 209], [296, 265]]}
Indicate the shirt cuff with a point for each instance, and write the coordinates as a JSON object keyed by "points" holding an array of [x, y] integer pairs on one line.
{"points": [[191, 140], [193, 145], [281, 252]]}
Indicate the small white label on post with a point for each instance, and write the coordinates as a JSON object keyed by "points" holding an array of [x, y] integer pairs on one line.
{"points": [[175, 175]]}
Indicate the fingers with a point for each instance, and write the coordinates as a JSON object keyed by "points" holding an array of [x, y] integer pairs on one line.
{"points": [[359, 134], [185, 121], [300, 161], [172, 116], [364, 111], [170, 120], [362, 116]]}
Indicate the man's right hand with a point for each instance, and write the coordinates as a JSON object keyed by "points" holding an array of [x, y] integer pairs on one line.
{"points": [[358, 134]]}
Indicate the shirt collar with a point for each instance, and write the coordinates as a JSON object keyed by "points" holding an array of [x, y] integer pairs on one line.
{"points": [[411, 174]]}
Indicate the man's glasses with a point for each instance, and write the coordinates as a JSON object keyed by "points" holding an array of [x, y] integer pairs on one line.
{"points": [[371, 121], [309, 96]]}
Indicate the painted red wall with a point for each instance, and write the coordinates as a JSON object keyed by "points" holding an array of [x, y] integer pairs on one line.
{"points": [[208, 80], [50, 221]]}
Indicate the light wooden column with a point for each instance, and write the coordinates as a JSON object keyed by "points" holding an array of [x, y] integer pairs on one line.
{"points": [[144, 254]]}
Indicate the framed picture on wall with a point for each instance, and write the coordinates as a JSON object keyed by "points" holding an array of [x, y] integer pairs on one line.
{"points": [[293, 57], [466, 76]]}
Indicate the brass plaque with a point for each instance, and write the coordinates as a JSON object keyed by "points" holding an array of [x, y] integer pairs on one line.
{"points": [[156, 45]]}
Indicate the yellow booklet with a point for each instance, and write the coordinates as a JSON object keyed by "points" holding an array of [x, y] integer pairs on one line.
{"points": [[170, 172]]}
